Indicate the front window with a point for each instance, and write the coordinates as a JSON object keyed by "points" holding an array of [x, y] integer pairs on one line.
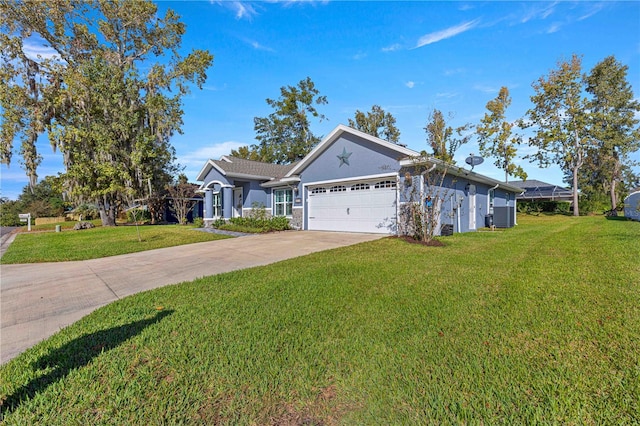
{"points": [[283, 202], [217, 205]]}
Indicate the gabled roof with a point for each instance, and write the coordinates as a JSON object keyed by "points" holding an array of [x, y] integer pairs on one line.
{"points": [[460, 172], [334, 135], [235, 167]]}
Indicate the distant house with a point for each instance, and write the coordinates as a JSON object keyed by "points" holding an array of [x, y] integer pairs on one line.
{"points": [[351, 182], [169, 215], [632, 206], [195, 206], [535, 190]]}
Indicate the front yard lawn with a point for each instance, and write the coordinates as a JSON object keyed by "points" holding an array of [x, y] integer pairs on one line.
{"points": [[539, 324], [99, 242]]}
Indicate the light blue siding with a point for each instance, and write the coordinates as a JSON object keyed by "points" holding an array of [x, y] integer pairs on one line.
{"points": [[255, 194], [215, 175], [455, 193], [366, 159]]}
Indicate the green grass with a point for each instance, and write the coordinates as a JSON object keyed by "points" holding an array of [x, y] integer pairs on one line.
{"points": [[67, 225], [98, 242], [536, 324]]}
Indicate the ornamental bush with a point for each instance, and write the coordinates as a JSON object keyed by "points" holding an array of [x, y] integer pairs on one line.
{"points": [[560, 207], [259, 225]]}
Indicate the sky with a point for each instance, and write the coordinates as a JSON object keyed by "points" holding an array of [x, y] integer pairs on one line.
{"points": [[407, 57]]}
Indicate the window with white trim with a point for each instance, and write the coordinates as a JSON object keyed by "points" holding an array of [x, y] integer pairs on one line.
{"points": [[318, 190], [338, 188], [282, 202], [217, 205]]}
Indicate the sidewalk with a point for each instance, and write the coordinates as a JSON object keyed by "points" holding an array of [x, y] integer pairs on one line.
{"points": [[37, 300]]}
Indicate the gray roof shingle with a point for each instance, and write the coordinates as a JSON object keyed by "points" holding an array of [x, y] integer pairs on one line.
{"points": [[253, 168]]}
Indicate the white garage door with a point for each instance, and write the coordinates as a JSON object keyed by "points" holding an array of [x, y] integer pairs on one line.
{"points": [[353, 207]]}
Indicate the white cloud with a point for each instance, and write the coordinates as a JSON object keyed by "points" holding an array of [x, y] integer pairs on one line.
{"points": [[446, 33], [592, 11], [454, 71], [446, 95], [12, 174], [554, 28], [410, 107], [200, 156], [391, 48], [247, 9], [545, 13], [539, 12], [410, 84], [486, 89], [37, 50], [215, 88], [243, 10], [259, 46], [194, 161], [287, 3], [359, 55]]}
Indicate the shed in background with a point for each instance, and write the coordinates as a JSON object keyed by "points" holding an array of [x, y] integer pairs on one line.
{"points": [[632, 206]]}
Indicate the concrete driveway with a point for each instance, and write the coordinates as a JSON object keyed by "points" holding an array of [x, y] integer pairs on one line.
{"points": [[37, 300]]}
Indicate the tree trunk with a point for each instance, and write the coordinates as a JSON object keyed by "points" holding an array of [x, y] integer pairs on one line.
{"points": [[108, 217], [576, 209], [614, 198], [577, 163], [614, 180], [107, 212]]}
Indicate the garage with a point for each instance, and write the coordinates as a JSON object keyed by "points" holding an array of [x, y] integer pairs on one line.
{"points": [[365, 206]]}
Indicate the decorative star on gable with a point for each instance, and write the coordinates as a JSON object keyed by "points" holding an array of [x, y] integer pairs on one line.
{"points": [[344, 157]]}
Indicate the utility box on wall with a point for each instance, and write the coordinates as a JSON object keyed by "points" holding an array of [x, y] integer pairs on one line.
{"points": [[504, 217]]}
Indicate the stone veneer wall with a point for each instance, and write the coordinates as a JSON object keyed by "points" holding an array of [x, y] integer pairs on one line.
{"points": [[296, 219]]}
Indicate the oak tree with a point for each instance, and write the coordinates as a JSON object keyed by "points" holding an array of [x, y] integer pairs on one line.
{"points": [[496, 137], [613, 127], [376, 123], [559, 119], [108, 94], [285, 135]]}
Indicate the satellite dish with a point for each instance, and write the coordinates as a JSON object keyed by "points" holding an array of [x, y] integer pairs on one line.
{"points": [[473, 161]]}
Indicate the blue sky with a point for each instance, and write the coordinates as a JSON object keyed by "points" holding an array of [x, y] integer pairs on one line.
{"points": [[407, 57]]}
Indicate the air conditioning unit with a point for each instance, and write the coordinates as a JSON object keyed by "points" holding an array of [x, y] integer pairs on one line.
{"points": [[504, 217]]}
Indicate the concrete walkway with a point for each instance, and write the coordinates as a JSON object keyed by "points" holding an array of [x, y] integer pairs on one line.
{"points": [[37, 300]]}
